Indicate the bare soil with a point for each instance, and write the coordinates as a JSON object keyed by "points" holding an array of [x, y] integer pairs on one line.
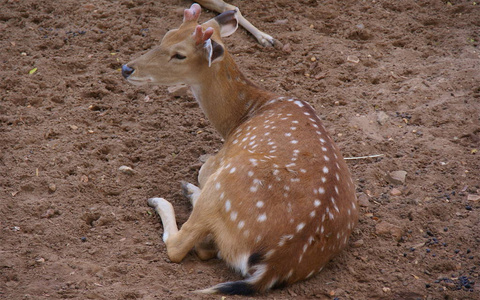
{"points": [[396, 78]]}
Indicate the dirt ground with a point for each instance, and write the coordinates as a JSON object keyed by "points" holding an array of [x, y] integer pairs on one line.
{"points": [[395, 78]]}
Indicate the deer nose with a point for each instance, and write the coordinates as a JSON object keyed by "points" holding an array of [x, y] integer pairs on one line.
{"points": [[127, 71]]}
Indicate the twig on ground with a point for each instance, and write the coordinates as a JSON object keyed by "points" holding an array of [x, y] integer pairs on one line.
{"points": [[363, 157]]}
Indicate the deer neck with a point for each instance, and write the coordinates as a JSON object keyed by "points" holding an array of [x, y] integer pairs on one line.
{"points": [[226, 96]]}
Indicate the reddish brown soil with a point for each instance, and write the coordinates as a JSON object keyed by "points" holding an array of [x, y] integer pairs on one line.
{"points": [[398, 78]]}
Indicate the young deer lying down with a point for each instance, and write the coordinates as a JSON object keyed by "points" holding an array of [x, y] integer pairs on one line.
{"points": [[277, 202]]}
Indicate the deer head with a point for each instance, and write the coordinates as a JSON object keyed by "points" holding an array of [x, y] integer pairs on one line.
{"points": [[184, 53]]}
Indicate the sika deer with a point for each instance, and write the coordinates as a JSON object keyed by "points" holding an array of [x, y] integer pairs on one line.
{"points": [[277, 202]]}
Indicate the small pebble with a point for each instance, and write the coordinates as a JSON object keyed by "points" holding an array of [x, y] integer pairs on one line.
{"points": [[126, 170], [395, 192], [396, 177], [428, 250], [281, 22], [83, 239], [48, 214], [456, 251], [358, 244], [287, 48], [445, 229], [52, 187], [353, 59], [363, 200], [473, 198], [40, 260], [383, 118], [387, 229], [468, 207]]}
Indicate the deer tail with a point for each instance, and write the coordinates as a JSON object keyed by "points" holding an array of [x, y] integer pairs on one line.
{"points": [[241, 287]]}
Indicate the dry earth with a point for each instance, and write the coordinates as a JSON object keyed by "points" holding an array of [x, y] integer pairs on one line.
{"points": [[397, 78]]}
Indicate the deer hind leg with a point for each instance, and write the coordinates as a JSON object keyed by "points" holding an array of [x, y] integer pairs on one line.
{"points": [[264, 39], [206, 249], [191, 192], [208, 168], [220, 6], [179, 242]]}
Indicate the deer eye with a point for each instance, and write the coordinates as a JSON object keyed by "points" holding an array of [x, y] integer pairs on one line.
{"points": [[178, 56]]}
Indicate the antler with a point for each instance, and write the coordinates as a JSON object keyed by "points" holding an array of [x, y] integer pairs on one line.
{"points": [[201, 36], [192, 14]]}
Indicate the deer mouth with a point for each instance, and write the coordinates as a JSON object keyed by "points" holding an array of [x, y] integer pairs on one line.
{"points": [[129, 74]]}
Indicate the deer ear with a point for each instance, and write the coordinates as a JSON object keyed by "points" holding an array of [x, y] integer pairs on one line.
{"points": [[215, 51], [228, 22]]}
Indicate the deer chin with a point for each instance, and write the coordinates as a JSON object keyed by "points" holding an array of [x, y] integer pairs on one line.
{"points": [[152, 81], [140, 81]]}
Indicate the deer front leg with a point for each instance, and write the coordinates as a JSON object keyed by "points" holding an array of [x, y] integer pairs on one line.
{"points": [[206, 249], [167, 214], [178, 242]]}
